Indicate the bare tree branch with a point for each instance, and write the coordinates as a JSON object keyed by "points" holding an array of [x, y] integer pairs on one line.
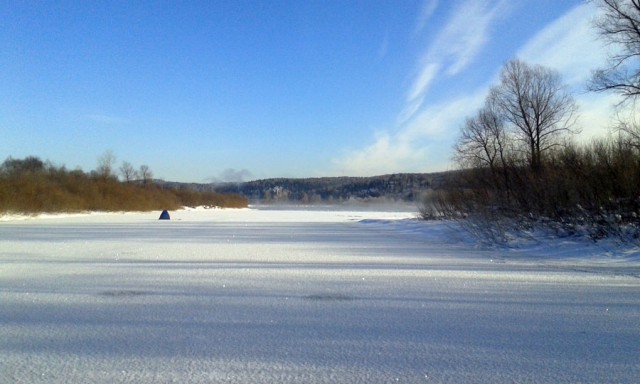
{"points": [[619, 26], [128, 172]]}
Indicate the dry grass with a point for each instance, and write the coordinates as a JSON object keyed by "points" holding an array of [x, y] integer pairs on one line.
{"points": [[31, 186]]}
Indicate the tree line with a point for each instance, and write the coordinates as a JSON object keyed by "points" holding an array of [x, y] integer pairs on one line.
{"points": [[405, 187], [519, 156], [31, 185]]}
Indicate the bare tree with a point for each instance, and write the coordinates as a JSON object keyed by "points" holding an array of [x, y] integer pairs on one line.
{"points": [[619, 26], [483, 140], [128, 172], [146, 174], [536, 104], [484, 143], [106, 163]]}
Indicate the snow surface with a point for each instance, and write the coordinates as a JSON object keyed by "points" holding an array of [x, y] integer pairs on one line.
{"points": [[301, 296]]}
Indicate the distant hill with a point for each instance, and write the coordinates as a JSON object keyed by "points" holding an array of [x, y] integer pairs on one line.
{"points": [[407, 187]]}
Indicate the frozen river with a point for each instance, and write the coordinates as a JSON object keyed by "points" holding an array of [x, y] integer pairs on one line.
{"points": [[293, 296]]}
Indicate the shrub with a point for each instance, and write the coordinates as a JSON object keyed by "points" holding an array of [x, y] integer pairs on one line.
{"points": [[592, 190]]}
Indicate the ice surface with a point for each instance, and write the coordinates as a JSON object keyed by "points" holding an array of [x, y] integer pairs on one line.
{"points": [[294, 296]]}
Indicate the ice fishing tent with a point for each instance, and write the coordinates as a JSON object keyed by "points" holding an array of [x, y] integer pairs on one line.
{"points": [[164, 215]]}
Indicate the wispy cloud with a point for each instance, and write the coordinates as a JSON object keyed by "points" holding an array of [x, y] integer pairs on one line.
{"points": [[421, 145], [384, 46], [104, 119], [569, 45], [427, 10], [386, 154], [455, 47], [421, 83], [466, 34]]}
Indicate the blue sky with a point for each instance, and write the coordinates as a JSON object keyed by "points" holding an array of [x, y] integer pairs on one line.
{"points": [[217, 90]]}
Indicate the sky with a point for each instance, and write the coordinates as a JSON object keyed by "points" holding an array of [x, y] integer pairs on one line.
{"points": [[205, 91]]}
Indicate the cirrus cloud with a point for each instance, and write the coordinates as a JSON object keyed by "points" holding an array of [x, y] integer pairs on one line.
{"points": [[455, 47], [426, 128]]}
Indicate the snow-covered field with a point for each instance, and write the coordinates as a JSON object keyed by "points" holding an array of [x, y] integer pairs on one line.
{"points": [[295, 296]]}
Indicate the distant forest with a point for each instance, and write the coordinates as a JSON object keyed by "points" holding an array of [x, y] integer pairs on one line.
{"points": [[401, 187]]}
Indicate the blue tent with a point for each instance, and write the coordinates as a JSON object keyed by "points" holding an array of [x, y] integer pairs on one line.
{"points": [[164, 215]]}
